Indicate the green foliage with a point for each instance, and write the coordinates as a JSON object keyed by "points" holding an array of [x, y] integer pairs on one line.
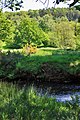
{"points": [[50, 27], [30, 32], [22, 103], [11, 4], [16, 65], [64, 34], [6, 30], [71, 13], [77, 7]]}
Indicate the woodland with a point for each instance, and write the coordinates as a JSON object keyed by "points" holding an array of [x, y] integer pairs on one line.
{"points": [[38, 46]]}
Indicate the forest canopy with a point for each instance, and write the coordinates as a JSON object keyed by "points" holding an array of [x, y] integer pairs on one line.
{"points": [[58, 27]]}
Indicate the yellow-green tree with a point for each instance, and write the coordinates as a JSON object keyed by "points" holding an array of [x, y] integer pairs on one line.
{"points": [[30, 32], [64, 34], [6, 29]]}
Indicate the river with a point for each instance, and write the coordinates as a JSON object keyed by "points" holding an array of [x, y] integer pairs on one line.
{"points": [[62, 92]]}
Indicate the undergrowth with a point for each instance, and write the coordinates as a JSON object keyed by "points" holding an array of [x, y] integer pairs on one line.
{"points": [[25, 104]]}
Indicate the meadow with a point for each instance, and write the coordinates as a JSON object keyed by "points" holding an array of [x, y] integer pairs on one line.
{"points": [[15, 62]]}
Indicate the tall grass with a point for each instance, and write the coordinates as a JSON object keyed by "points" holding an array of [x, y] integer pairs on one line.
{"points": [[25, 104]]}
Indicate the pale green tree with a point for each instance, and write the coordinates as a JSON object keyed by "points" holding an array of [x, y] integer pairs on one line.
{"points": [[78, 35], [64, 34]]}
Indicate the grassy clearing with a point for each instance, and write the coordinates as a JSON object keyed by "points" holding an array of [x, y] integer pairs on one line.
{"points": [[14, 62], [67, 60], [25, 104]]}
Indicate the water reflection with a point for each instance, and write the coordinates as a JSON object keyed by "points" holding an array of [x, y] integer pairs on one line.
{"points": [[62, 92], [67, 97]]}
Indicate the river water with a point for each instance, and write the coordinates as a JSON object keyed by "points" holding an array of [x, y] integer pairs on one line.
{"points": [[62, 92]]}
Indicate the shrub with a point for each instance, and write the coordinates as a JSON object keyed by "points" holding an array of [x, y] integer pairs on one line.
{"points": [[29, 49]]}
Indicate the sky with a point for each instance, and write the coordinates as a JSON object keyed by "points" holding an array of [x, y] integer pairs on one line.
{"points": [[32, 4]]}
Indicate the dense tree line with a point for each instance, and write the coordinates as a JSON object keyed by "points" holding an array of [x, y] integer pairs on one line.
{"points": [[71, 13], [58, 27]]}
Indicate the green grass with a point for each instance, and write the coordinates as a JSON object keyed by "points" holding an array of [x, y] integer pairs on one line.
{"points": [[67, 60], [14, 62], [25, 104]]}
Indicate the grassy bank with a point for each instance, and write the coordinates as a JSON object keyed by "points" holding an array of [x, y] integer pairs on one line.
{"points": [[25, 104], [14, 64]]}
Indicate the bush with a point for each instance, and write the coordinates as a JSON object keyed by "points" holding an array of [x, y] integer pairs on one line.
{"points": [[29, 49]]}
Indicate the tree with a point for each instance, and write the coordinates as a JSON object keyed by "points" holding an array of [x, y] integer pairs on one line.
{"points": [[11, 4], [30, 33], [64, 34], [77, 7], [6, 29], [78, 35], [33, 13]]}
